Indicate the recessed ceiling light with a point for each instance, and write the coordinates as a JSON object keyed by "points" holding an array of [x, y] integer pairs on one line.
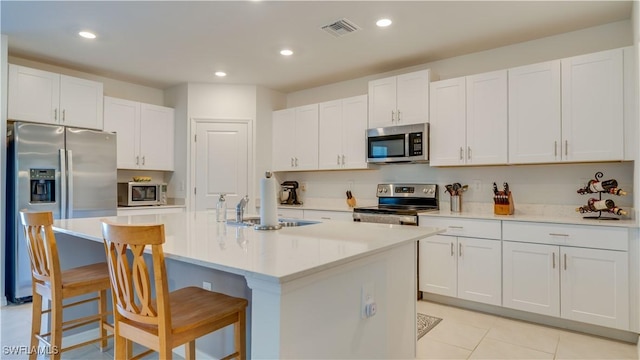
{"points": [[221, 74], [87, 34], [383, 22], [286, 52]]}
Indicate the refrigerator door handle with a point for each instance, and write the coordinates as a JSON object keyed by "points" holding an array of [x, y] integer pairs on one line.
{"points": [[63, 183], [70, 184]]}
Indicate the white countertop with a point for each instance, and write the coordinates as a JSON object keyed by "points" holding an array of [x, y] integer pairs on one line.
{"points": [[533, 213], [276, 255]]}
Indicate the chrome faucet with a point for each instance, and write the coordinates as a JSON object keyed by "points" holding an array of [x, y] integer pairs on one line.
{"points": [[242, 204]]}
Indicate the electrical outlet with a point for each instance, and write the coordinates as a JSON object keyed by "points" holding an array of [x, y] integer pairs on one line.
{"points": [[367, 300], [206, 285], [303, 186]]}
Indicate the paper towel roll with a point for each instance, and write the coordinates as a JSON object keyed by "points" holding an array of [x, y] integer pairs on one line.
{"points": [[268, 201]]}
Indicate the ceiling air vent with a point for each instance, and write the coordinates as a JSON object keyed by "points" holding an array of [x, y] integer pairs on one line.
{"points": [[341, 27]]}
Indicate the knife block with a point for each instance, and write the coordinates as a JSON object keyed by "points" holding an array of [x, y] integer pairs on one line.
{"points": [[505, 209]]}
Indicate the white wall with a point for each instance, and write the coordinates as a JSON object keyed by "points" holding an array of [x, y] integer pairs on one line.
{"points": [[3, 154], [531, 184], [267, 101], [112, 87]]}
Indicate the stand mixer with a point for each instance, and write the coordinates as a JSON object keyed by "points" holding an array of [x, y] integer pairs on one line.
{"points": [[289, 193]]}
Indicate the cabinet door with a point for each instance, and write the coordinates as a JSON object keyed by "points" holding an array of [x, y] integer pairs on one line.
{"points": [[297, 214], [81, 103], [534, 113], [34, 95], [325, 215], [156, 137], [592, 107], [330, 135], [306, 138], [354, 127], [487, 118], [284, 132], [531, 278], [382, 102], [437, 265], [447, 128], [479, 270], [412, 98], [123, 118], [595, 286]]}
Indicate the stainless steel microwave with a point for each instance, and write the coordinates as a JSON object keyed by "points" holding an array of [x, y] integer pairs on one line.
{"points": [[142, 194], [404, 143]]}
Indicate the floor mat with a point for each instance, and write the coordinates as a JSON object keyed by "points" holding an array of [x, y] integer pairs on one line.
{"points": [[426, 323]]}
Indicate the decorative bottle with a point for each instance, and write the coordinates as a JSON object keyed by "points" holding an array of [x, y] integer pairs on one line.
{"points": [[616, 210], [595, 186], [597, 205], [221, 209]]}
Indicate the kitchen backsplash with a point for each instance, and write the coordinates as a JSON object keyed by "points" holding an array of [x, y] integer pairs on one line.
{"points": [[549, 184]]}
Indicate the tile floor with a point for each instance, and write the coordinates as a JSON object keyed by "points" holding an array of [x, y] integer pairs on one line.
{"points": [[462, 334]]}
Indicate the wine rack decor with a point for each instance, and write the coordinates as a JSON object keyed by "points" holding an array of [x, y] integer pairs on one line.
{"points": [[599, 205]]}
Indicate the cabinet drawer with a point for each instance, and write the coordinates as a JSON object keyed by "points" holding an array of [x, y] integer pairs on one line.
{"points": [[290, 213], [487, 229], [598, 237], [326, 215]]}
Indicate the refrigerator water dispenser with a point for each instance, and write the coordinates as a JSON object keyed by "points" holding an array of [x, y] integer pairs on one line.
{"points": [[43, 185]]}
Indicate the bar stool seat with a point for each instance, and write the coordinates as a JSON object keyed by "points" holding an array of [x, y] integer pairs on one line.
{"points": [[51, 283], [171, 318]]}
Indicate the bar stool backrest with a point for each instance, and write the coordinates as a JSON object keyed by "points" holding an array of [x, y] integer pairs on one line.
{"points": [[42, 247]]}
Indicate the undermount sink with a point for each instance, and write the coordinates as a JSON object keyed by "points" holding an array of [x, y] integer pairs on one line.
{"points": [[252, 221]]}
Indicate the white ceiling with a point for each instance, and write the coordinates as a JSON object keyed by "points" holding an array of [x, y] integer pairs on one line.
{"points": [[164, 43]]}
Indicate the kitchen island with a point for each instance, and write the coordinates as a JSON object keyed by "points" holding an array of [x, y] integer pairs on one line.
{"points": [[307, 285]]}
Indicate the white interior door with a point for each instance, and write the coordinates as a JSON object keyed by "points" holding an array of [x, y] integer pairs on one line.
{"points": [[221, 163]]}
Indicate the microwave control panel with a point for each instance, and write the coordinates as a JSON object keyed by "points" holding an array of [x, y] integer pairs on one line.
{"points": [[415, 144]]}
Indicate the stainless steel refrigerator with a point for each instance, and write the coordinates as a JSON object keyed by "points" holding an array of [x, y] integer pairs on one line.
{"points": [[68, 171]]}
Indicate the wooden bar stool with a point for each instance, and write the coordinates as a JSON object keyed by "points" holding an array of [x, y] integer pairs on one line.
{"points": [[52, 283], [172, 318]]}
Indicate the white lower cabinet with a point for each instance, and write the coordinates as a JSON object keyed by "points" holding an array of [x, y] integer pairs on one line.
{"points": [[554, 276], [290, 214], [328, 215], [459, 266]]}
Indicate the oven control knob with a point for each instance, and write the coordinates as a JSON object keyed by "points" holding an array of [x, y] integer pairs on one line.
{"points": [[385, 190], [427, 190]]}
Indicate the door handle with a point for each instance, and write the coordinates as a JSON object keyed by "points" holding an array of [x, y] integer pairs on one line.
{"points": [[468, 153], [565, 261], [461, 153], [452, 253], [291, 162], [63, 183], [398, 115], [70, 183], [143, 160], [55, 114], [342, 159], [296, 162], [460, 250], [64, 115], [338, 162], [393, 116], [566, 148], [553, 258], [137, 160]]}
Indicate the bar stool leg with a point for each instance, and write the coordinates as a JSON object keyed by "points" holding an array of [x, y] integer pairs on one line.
{"points": [[190, 350], [121, 347], [240, 332], [36, 323], [102, 309], [56, 327]]}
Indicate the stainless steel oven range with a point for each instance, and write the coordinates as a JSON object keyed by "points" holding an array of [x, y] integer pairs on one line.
{"points": [[400, 204]]}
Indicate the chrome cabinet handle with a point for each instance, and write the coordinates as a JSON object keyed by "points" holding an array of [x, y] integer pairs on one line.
{"points": [[468, 153], [325, 218], [64, 115], [137, 160], [565, 261], [455, 227], [461, 153], [555, 148], [557, 234], [55, 114], [296, 162], [452, 253], [398, 115], [553, 258], [343, 159], [143, 160], [338, 162], [460, 249], [291, 162], [393, 116], [566, 148]]}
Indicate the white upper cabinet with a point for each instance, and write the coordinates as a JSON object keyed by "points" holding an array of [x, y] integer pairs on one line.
{"points": [[295, 138], [447, 127], [534, 113], [399, 100], [469, 120], [145, 134], [45, 97], [592, 107], [342, 127]]}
